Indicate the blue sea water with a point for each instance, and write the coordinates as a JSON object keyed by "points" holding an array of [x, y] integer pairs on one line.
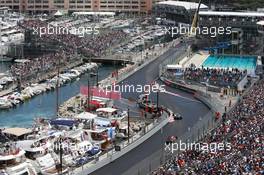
{"points": [[44, 105]]}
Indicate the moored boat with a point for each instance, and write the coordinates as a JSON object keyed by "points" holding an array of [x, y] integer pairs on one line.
{"points": [[13, 161]]}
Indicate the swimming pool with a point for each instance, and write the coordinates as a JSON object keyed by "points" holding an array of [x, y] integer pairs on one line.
{"points": [[239, 62]]}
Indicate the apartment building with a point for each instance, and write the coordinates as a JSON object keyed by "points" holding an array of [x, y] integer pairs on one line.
{"points": [[49, 6]]}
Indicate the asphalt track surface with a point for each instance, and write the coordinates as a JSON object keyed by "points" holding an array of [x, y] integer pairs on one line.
{"points": [[178, 101]]}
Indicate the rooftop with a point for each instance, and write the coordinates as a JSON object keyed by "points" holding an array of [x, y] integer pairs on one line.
{"points": [[186, 5], [238, 14], [94, 13], [17, 131]]}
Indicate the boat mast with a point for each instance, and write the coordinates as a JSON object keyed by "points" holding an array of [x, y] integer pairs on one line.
{"points": [[88, 89], [1, 55], [57, 85]]}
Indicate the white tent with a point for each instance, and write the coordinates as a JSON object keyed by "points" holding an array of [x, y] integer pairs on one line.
{"points": [[85, 116], [107, 110], [174, 66], [58, 13]]}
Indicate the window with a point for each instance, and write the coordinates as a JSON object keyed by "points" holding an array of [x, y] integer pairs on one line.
{"points": [[60, 6], [58, 1]]}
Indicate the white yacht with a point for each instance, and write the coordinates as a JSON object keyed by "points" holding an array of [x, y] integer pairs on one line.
{"points": [[13, 162], [9, 31], [40, 154], [112, 114], [5, 59], [5, 103]]}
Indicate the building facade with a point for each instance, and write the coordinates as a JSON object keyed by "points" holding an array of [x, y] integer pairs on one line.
{"points": [[244, 34], [49, 6], [177, 11]]}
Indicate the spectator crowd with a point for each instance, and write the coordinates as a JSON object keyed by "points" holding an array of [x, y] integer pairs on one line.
{"points": [[42, 64], [90, 45], [71, 44], [243, 128], [215, 77]]}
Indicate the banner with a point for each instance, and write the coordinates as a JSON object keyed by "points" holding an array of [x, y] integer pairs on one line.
{"points": [[99, 92]]}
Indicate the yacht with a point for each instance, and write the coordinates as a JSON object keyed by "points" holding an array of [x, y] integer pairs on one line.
{"points": [[6, 59], [41, 155], [13, 161], [5, 103], [12, 36], [115, 115], [9, 31], [99, 137]]}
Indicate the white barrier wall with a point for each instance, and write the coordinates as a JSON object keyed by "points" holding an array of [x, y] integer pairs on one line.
{"points": [[111, 157]]}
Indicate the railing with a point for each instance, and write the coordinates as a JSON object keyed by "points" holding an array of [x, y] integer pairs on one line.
{"points": [[126, 146]]}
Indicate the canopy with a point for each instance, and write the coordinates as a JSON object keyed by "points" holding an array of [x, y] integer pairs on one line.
{"points": [[173, 66], [260, 23], [22, 61], [63, 122], [86, 116], [17, 131], [108, 110], [234, 14], [58, 13], [186, 5]]}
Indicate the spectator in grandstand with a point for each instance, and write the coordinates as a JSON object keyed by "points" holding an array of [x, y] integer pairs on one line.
{"points": [[243, 128]]}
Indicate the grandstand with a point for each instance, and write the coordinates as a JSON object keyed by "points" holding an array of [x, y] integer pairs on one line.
{"points": [[177, 11], [242, 128], [244, 28]]}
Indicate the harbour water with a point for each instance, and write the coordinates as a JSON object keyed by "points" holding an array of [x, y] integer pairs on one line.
{"points": [[4, 66], [44, 105]]}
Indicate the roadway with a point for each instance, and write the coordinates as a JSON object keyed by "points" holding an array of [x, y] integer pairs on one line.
{"points": [[178, 101]]}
